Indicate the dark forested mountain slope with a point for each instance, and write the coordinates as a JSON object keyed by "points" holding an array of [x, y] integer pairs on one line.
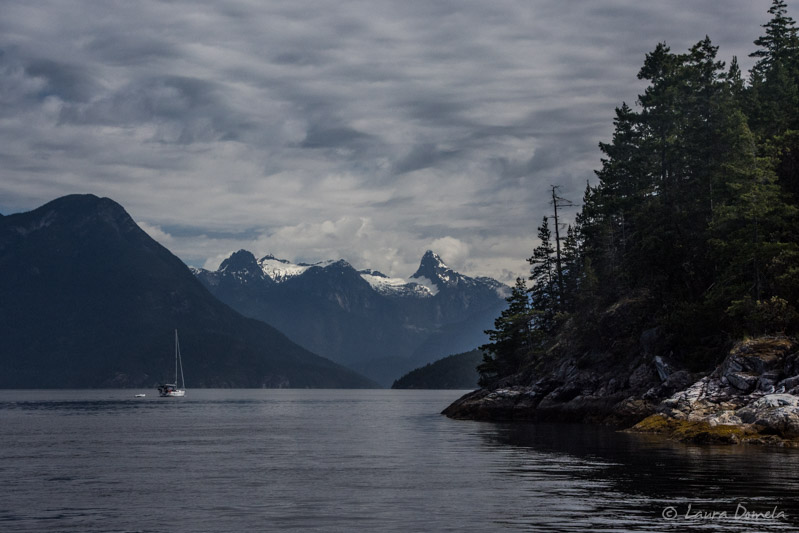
{"points": [[90, 300]]}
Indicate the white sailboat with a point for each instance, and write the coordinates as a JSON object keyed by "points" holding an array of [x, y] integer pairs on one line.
{"points": [[171, 389]]}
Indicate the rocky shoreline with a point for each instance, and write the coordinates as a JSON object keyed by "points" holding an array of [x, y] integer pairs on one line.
{"points": [[752, 397]]}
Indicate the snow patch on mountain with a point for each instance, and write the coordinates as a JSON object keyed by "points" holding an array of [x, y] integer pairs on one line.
{"points": [[280, 270], [502, 290], [396, 286], [429, 285], [378, 279]]}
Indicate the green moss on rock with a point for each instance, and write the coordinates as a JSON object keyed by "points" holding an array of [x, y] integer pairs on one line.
{"points": [[704, 433]]}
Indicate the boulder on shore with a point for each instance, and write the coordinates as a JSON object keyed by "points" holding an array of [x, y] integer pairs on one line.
{"points": [[752, 397]]}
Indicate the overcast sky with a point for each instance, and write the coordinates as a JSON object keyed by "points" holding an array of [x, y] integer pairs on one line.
{"points": [[364, 130]]}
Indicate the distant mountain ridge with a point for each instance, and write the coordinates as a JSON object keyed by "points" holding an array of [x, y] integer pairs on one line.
{"points": [[429, 278], [90, 300], [363, 319]]}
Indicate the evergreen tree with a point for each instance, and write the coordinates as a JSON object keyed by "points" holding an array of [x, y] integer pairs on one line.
{"points": [[751, 242], [736, 83], [608, 211], [511, 340], [780, 43], [773, 103], [572, 268], [544, 292]]}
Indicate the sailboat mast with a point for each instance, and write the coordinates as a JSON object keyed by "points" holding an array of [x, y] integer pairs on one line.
{"points": [[176, 357], [178, 360]]}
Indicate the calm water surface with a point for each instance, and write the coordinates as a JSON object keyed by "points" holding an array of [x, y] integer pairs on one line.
{"points": [[323, 460]]}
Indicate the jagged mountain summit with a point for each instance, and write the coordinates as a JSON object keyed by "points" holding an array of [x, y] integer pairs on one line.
{"points": [[431, 276], [434, 274], [432, 270], [90, 300], [378, 325]]}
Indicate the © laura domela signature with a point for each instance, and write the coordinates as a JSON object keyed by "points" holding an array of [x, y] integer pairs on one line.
{"points": [[741, 512]]}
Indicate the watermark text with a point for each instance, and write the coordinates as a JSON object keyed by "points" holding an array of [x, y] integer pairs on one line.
{"points": [[742, 512]]}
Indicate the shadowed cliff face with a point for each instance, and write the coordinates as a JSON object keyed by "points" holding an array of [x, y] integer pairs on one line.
{"points": [[90, 300]]}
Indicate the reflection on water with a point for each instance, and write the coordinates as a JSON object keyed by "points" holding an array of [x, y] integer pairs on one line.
{"points": [[310, 460], [651, 484]]}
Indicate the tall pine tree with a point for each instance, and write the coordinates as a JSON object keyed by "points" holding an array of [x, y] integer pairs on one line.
{"points": [[545, 296], [512, 339]]}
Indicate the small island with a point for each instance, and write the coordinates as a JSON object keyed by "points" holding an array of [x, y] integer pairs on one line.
{"points": [[453, 372]]}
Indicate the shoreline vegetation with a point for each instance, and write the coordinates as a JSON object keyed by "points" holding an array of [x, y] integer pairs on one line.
{"points": [[670, 304]]}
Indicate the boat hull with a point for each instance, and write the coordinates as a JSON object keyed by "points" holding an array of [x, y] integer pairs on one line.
{"points": [[170, 391]]}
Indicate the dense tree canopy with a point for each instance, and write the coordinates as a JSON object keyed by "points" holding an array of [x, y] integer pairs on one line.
{"points": [[694, 210]]}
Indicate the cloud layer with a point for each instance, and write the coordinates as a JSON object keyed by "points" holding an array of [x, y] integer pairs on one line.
{"points": [[369, 131]]}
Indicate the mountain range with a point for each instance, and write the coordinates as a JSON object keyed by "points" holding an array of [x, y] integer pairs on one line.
{"points": [[379, 326], [88, 299]]}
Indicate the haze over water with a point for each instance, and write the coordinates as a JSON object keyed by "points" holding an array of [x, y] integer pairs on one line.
{"points": [[374, 460]]}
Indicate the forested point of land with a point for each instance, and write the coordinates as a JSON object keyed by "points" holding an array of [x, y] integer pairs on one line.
{"points": [[693, 218], [452, 372]]}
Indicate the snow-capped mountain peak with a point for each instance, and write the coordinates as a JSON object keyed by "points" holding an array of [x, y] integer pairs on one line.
{"points": [[436, 272], [241, 260], [242, 266]]}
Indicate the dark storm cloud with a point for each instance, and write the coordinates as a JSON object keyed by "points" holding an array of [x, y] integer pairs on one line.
{"points": [[298, 58], [192, 109], [436, 109], [127, 49], [330, 136], [365, 130], [423, 156], [71, 83]]}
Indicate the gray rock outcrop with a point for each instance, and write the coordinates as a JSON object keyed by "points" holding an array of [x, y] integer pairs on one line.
{"points": [[752, 396], [755, 388]]}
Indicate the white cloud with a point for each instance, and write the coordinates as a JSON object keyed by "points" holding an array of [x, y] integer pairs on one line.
{"points": [[162, 237], [334, 239], [452, 251]]}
